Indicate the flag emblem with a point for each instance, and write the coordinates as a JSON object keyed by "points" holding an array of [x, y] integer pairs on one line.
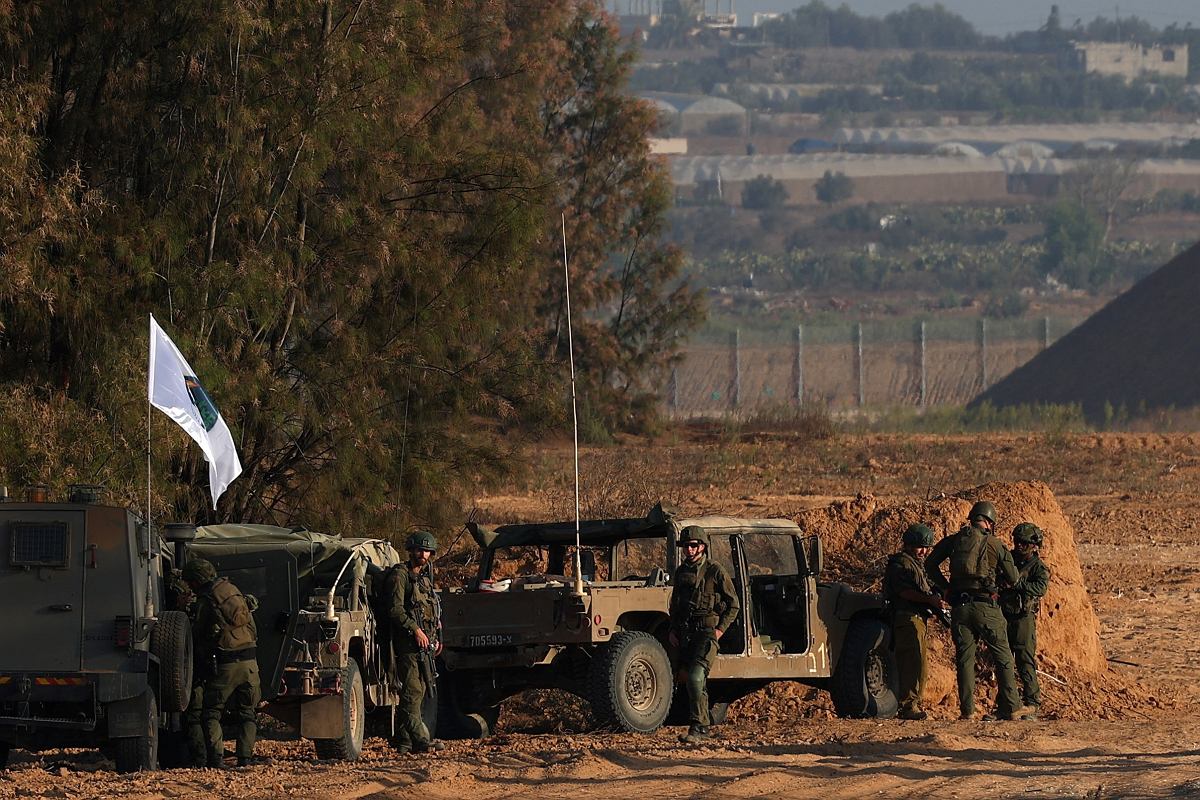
{"points": [[204, 404]]}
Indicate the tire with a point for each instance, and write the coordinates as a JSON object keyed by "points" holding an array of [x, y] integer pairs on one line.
{"points": [[864, 683], [462, 714], [140, 753], [348, 746], [171, 643], [630, 684]]}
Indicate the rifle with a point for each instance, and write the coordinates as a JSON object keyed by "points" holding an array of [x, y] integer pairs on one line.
{"points": [[427, 661]]}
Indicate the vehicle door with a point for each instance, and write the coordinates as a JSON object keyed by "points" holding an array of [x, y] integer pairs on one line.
{"points": [[778, 590], [725, 549], [271, 576]]}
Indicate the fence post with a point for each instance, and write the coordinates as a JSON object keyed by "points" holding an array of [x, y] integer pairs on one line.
{"points": [[862, 386], [735, 392], [1045, 332], [983, 373], [924, 397], [799, 365]]}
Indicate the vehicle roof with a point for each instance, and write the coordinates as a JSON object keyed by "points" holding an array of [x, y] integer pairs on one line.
{"points": [[316, 553], [658, 523]]}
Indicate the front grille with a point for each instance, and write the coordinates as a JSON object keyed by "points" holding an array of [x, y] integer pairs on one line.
{"points": [[39, 544]]}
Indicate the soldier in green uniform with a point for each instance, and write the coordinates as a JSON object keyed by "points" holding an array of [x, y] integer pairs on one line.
{"points": [[703, 605], [1020, 604], [416, 639], [911, 602], [979, 563], [225, 636]]}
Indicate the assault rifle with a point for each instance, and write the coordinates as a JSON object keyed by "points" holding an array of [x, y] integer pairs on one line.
{"points": [[427, 662]]}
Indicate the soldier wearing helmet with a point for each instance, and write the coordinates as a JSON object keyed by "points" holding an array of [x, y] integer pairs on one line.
{"points": [[416, 639], [1020, 603], [703, 604], [225, 637], [910, 602], [979, 565]]}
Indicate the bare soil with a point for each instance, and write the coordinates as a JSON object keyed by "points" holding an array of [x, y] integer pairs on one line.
{"points": [[1121, 727]]}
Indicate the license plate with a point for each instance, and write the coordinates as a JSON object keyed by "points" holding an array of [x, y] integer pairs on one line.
{"points": [[489, 639]]}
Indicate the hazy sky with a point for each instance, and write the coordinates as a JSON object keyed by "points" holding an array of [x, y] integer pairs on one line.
{"points": [[1006, 16]]}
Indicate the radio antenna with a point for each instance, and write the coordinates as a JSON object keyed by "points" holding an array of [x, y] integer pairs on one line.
{"points": [[574, 410]]}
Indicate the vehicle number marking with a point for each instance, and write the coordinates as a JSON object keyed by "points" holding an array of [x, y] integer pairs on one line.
{"points": [[489, 639]]}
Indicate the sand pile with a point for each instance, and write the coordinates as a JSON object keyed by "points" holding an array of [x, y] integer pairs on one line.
{"points": [[1136, 352], [860, 534]]}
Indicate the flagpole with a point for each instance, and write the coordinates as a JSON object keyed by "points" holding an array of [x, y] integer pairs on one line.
{"points": [[149, 527]]}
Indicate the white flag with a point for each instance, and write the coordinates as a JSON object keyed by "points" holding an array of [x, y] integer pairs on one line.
{"points": [[175, 391]]}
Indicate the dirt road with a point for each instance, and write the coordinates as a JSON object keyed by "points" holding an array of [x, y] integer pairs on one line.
{"points": [[1130, 499]]}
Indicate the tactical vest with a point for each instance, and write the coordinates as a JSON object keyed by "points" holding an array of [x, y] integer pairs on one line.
{"points": [[233, 617], [891, 596], [699, 605], [972, 562]]}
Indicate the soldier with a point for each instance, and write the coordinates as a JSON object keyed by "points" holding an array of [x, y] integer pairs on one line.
{"points": [[185, 601], [225, 636], [910, 602], [416, 640], [703, 605], [1020, 604], [977, 559]]}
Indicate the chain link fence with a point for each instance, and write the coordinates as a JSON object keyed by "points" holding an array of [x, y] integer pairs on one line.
{"points": [[851, 366]]}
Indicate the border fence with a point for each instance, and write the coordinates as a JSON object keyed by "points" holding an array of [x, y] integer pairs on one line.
{"points": [[858, 365]]}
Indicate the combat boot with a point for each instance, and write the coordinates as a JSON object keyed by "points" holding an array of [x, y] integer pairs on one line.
{"points": [[1019, 713], [433, 746], [912, 713], [696, 734]]}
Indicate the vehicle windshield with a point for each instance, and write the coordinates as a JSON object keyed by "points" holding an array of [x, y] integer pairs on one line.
{"points": [[538, 563]]}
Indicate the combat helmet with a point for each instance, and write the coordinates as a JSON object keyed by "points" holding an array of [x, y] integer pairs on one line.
{"points": [[693, 533], [423, 540], [983, 510], [1027, 533], [918, 535], [199, 570]]}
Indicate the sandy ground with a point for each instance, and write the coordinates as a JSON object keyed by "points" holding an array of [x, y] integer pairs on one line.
{"points": [[1130, 499]]}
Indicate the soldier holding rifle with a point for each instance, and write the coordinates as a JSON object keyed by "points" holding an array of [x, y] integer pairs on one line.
{"points": [[416, 635]]}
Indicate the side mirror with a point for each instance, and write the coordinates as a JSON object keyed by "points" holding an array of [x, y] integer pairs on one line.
{"points": [[813, 555], [587, 565]]}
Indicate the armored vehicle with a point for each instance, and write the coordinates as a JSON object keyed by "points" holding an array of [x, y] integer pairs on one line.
{"points": [[88, 656], [519, 624], [323, 650]]}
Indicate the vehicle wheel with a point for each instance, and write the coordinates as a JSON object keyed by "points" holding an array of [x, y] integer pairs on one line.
{"points": [[864, 683], [462, 713], [171, 642], [348, 746], [140, 753], [630, 683]]}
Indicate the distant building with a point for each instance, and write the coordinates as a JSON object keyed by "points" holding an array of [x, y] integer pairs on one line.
{"points": [[1128, 59]]}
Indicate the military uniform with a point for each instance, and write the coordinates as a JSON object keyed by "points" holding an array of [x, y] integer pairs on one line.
{"points": [[413, 605], [224, 636], [908, 627], [1020, 606], [703, 600], [977, 559]]}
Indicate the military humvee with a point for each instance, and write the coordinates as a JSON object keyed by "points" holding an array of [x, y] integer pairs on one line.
{"points": [[323, 655], [507, 632], [88, 655]]}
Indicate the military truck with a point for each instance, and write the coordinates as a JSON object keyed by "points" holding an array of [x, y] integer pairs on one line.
{"points": [[88, 655], [323, 650], [519, 623]]}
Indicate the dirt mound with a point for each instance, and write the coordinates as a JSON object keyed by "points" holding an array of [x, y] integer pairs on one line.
{"points": [[860, 534], [1135, 353]]}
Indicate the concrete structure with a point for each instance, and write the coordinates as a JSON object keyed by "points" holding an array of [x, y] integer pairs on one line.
{"points": [[1129, 59], [668, 147]]}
